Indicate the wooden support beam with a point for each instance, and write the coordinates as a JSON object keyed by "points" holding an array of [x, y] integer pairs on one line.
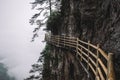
{"points": [[97, 65], [88, 55], [111, 73]]}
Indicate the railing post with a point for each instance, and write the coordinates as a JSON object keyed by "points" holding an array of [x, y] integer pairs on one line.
{"points": [[81, 53], [97, 65], [58, 39], [77, 46], [111, 73], [88, 55], [64, 40]]}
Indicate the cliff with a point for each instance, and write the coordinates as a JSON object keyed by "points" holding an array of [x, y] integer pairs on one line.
{"points": [[95, 20]]}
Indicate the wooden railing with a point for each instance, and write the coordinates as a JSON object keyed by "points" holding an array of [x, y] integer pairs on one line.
{"points": [[96, 61]]}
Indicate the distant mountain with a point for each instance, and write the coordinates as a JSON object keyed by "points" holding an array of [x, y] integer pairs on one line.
{"points": [[3, 73]]}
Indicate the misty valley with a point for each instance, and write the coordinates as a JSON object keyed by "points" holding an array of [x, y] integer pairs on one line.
{"points": [[3, 73]]}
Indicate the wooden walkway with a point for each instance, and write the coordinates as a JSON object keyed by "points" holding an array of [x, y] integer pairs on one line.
{"points": [[95, 60]]}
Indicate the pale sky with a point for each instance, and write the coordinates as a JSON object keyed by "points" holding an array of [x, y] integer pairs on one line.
{"points": [[16, 50]]}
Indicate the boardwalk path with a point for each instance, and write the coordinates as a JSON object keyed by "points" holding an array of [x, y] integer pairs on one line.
{"points": [[93, 58]]}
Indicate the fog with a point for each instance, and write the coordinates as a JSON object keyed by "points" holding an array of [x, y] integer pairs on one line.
{"points": [[16, 50]]}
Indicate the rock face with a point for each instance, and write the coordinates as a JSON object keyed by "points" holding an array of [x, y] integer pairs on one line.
{"points": [[94, 20], [100, 23], [65, 66]]}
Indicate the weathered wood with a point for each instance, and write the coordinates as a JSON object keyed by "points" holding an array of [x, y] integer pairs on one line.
{"points": [[92, 61], [97, 65], [69, 45], [95, 47], [81, 50], [58, 39], [68, 42], [92, 69], [103, 66], [97, 78], [64, 40], [81, 53], [88, 51], [88, 55], [100, 73], [103, 53], [111, 73], [85, 59], [77, 47]]}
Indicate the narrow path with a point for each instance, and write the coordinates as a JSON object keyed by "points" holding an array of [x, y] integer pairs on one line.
{"points": [[92, 58]]}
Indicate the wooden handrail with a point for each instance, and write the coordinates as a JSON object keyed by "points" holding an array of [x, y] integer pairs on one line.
{"points": [[100, 69]]}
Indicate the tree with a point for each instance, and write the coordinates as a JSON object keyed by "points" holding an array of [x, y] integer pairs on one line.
{"points": [[45, 8], [40, 68]]}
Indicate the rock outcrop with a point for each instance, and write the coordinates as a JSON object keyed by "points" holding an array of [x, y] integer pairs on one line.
{"points": [[94, 20]]}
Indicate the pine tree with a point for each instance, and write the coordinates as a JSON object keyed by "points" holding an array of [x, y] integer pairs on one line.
{"points": [[45, 8]]}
